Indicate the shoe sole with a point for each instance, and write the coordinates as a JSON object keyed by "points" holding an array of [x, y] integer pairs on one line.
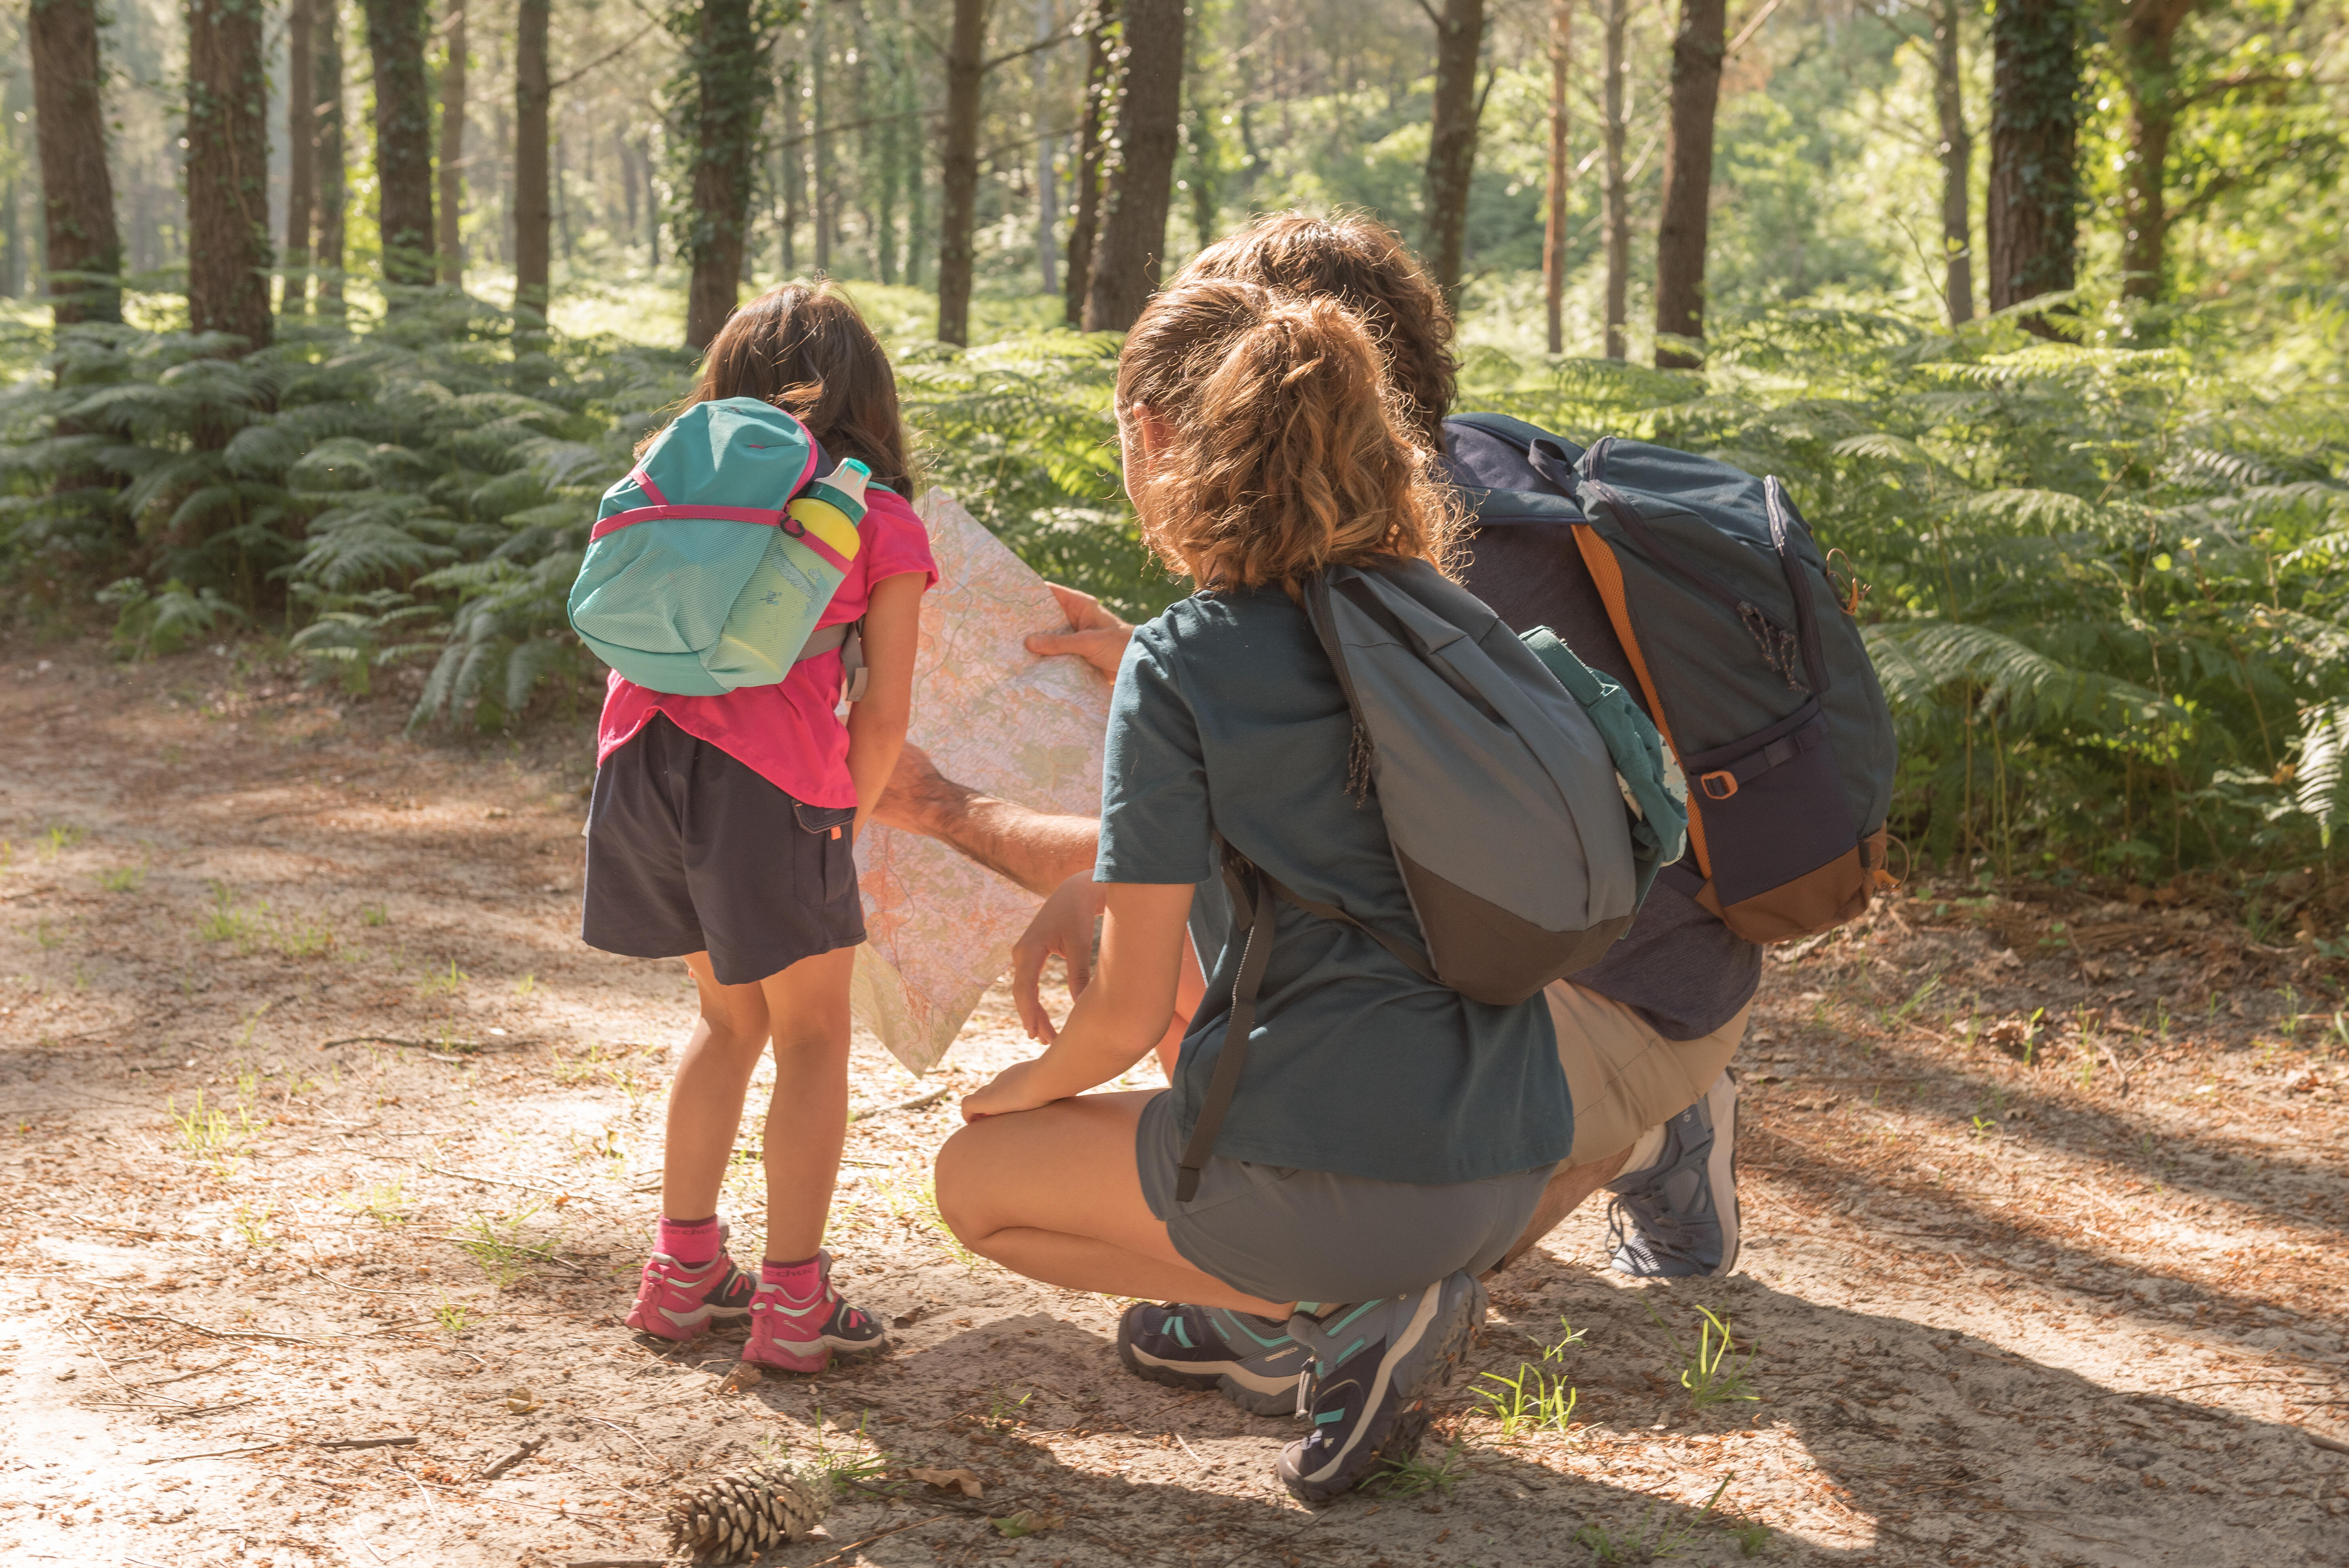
{"points": [[1458, 1331], [828, 1351], [1721, 1167], [1235, 1384]]}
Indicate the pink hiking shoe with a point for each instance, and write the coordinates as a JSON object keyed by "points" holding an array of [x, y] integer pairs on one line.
{"points": [[674, 1302], [802, 1332]]}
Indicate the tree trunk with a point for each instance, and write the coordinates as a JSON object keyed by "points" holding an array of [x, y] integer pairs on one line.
{"points": [[301, 152], [1048, 180], [403, 139], [1618, 192], [2148, 36], [1957, 162], [2034, 124], [820, 147], [1149, 131], [1688, 181], [228, 171], [958, 169], [1452, 138], [533, 216], [333, 176], [451, 259], [728, 106], [1084, 221], [794, 154], [1561, 172], [83, 262]]}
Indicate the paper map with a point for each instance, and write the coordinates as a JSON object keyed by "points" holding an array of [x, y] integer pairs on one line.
{"points": [[995, 716]]}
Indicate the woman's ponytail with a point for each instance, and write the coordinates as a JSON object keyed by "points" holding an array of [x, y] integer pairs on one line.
{"points": [[1289, 450]]}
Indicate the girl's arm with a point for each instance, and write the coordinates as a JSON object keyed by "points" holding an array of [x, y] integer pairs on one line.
{"points": [[1116, 1018], [876, 726]]}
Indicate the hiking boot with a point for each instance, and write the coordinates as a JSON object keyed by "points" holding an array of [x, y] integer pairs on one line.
{"points": [[1252, 1359], [674, 1302], [803, 1334], [1376, 1367], [1678, 1218]]}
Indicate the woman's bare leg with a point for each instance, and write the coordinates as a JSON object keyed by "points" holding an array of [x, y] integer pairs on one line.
{"points": [[1052, 1194]]}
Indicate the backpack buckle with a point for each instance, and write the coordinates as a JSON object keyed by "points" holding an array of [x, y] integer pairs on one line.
{"points": [[1718, 785]]}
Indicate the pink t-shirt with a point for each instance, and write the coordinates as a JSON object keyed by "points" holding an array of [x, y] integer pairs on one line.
{"points": [[790, 733]]}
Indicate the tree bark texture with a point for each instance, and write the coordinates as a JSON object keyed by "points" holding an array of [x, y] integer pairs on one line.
{"points": [[1452, 138], [1084, 218], [1048, 179], [1957, 164], [819, 143], [2146, 33], [729, 105], [301, 152], [1697, 51], [2034, 126], [533, 213], [228, 170], [450, 258], [403, 139], [1561, 172], [793, 174], [332, 177], [1619, 192], [958, 170], [84, 255], [1149, 133]]}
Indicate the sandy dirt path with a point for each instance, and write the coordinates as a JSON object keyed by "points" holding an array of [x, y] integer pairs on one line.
{"points": [[321, 1127]]}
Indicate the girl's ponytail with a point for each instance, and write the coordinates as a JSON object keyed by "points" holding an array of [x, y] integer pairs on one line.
{"points": [[1289, 452]]}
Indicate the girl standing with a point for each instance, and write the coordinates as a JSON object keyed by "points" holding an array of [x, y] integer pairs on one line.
{"points": [[723, 831]]}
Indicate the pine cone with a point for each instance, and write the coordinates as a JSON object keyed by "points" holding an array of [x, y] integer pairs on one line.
{"points": [[739, 1517]]}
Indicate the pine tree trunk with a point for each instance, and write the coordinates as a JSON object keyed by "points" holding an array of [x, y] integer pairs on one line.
{"points": [[1149, 131], [1957, 162], [1084, 223], [2147, 37], [301, 152], [2035, 124], [83, 260], [1561, 172], [793, 172], [1618, 192], [1452, 140], [332, 175], [958, 169], [1697, 50], [728, 108], [450, 256], [820, 148], [1048, 180], [403, 140], [228, 171], [533, 217]]}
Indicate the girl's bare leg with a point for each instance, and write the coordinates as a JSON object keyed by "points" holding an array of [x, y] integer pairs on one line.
{"points": [[807, 1117], [705, 1102], [1052, 1194]]}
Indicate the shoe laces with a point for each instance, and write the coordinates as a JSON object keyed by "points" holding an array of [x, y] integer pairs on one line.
{"points": [[1651, 1224]]}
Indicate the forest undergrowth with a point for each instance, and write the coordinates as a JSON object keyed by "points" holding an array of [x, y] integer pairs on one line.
{"points": [[2104, 581]]}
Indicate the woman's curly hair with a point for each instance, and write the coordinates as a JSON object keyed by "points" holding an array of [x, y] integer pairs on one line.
{"points": [[1291, 450]]}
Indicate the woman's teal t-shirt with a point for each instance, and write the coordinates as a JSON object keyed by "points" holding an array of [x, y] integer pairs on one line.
{"points": [[1227, 719]]}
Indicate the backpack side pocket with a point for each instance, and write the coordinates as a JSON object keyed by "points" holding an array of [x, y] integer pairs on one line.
{"points": [[1786, 860]]}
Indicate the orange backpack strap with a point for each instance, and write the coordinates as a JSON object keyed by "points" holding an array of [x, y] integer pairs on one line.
{"points": [[1607, 574]]}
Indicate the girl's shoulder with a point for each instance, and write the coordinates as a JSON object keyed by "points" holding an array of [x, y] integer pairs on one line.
{"points": [[893, 538]]}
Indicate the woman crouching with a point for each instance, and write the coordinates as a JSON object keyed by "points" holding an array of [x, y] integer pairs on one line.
{"points": [[1388, 1137]]}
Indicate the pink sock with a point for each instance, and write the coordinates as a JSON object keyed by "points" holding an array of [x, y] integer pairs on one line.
{"points": [[691, 1242], [800, 1280]]}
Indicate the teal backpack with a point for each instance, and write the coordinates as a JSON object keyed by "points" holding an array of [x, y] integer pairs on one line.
{"points": [[712, 561]]}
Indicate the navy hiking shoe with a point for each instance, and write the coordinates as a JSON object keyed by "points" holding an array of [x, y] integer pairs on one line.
{"points": [[1678, 1218], [1376, 1365], [1252, 1359]]}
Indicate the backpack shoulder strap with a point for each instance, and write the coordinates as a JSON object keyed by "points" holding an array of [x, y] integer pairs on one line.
{"points": [[1516, 432], [1252, 904]]}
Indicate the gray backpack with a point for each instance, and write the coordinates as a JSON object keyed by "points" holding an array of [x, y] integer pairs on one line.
{"points": [[1529, 801]]}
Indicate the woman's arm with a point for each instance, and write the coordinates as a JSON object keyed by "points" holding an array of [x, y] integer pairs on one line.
{"points": [[1116, 1018], [876, 726]]}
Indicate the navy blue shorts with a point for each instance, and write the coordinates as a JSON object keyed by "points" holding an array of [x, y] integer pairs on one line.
{"points": [[689, 850]]}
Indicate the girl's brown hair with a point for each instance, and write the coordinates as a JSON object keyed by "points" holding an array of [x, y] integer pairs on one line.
{"points": [[1288, 452], [803, 348], [1361, 263]]}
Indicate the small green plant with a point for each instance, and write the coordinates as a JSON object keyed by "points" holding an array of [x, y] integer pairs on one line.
{"points": [[1892, 1018], [453, 1316], [253, 1224], [857, 1461], [2087, 1073], [1709, 1374], [54, 842], [494, 1243], [1649, 1541], [1752, 1540], [123, 879], [1007, 1415], [2288, 1021], [1983, 1126], [384, 1203], [209, 1131], [374, 914], [1534, 1398], [45, 934], [1416, 1477], [447, 984], [526, 985]]}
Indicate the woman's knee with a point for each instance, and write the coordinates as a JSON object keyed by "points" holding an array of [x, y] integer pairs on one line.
{"points": [[960, 1177]]}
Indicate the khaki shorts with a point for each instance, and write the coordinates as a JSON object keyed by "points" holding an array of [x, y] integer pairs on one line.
{"points": [[1626, 1077]]}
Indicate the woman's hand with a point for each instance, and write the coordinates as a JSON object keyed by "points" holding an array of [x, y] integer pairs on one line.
{"points": [[1095, 634], [1064, 926], [1007, 1092]]}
